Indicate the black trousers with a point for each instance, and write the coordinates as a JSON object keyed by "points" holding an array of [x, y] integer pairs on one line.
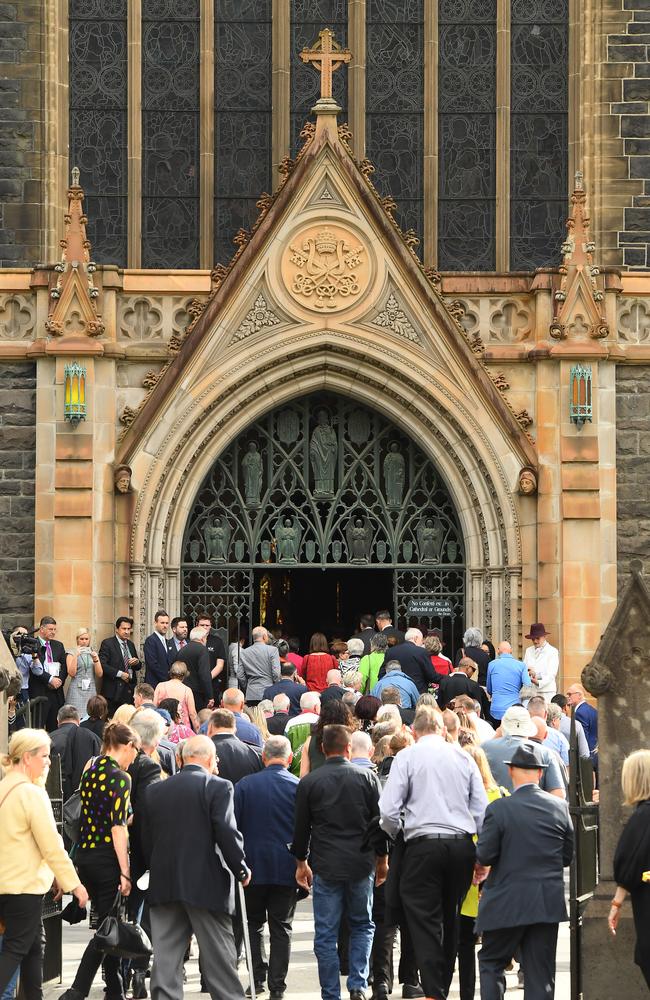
{"points": [[275, 904], [537, 944], [22, 943], [436, 875], [101, 876], [467, 957]]}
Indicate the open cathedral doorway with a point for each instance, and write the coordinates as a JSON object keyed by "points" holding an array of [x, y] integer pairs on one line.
{"points": [[319, 511]]}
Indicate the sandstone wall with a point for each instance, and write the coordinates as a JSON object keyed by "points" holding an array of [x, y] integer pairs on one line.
{"points": [[632, 467], [17, 478]]}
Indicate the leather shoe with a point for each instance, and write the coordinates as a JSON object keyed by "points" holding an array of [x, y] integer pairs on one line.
{"points": [[410, 992], [357, 995], [259, 988], [72, 995], [380, 992], [276, 996]]}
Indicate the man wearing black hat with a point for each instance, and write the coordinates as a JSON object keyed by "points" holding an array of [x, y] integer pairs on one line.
{"points": [[542, 660], [526, 842]]}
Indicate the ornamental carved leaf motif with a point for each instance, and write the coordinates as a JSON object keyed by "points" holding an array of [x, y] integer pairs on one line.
{"points": [[259, 318], [393, 317]]}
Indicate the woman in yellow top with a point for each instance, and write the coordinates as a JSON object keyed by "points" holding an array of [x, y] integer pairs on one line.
{"points": [[469, 909], [32, 858]]}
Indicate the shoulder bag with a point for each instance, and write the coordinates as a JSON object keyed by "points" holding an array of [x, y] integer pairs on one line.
{"points": [[121, 937]]}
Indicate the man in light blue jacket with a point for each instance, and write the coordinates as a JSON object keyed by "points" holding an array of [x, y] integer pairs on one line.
{"points": [[395, 677], [505, 679]]}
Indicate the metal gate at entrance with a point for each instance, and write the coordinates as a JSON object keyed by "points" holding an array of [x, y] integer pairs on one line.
{"points": [[326, 485]]}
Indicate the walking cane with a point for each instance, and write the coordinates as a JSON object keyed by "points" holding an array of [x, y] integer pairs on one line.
{"points": [[247, 940]]}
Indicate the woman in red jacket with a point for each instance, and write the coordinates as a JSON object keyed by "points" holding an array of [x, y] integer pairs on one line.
{"points": [[317, 662]]}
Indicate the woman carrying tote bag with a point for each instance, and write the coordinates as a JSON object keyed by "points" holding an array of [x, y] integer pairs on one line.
{"points": [[32, 856]]}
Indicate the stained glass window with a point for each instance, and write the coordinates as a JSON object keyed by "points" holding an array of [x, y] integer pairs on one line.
{"points": [[308, 17], [539, 140], [242, 116], [467, 135], [98, 120], [395, 104], [170, 133]]}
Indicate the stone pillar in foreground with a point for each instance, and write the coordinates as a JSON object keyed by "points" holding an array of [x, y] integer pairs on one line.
{"points": [[619, 676]]}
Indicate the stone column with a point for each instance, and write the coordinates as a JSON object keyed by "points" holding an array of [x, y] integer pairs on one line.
{"points": [[619, 677]]}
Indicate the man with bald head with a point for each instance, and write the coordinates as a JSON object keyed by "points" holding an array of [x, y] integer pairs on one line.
{"points": [[505, 679], [584, 713], [192, 846]]}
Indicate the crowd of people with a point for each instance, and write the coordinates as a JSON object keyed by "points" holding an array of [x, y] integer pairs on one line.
{"points": [[411, 795]]}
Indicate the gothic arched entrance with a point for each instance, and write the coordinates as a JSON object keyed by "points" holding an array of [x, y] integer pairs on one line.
{"points": [[321, 510]]}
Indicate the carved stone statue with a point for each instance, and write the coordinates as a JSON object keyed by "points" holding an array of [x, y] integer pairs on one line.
{"points": [[287, 537], [122, 478], [323, 449], [431, 534], [527, 481], [216, 535], [252, 471], [359, 538], [394, 474]]}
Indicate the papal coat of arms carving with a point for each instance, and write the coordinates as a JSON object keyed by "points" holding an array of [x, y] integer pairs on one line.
{"points": [[326, 268]]}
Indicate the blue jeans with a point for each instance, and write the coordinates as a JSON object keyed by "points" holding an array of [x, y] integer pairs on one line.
{"points": [[331, 900], [10, 990]]}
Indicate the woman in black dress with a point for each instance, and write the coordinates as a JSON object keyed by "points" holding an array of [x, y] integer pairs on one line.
{"points": [[632, 857], [102, 849]]}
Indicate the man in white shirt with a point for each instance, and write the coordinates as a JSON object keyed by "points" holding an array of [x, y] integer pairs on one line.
{"points": [[543, 661], [483, 728]]}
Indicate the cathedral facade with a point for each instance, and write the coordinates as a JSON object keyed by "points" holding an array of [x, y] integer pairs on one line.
{"points": [[310, 307]]}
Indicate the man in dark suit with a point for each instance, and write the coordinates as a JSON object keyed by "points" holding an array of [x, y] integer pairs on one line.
{"points": [[287, 685], [119, 661], [196, 658], [49, 672], [277, 724], [236, 759], [459, 682], [526, 842], [366, 632], [157, 649], [264, 809], [414, 661], [384, 621], [75, 746], [192, 846]]}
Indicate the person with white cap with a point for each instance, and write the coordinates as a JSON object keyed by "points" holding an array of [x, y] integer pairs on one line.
{"points": [[542, 660], [526, 842], [517, 725]]}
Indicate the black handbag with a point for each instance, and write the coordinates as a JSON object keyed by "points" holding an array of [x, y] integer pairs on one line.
{"points": [[72, 817], [119, 936]]}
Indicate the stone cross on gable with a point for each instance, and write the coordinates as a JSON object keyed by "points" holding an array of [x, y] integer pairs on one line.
{"points": [[326, 55]]}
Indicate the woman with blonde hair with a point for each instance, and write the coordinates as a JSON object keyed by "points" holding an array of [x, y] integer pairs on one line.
{"points": [[632, 857], [175, 687], [85, 670], [31, 859], [469, 910], [257, 717], [124, 714]]}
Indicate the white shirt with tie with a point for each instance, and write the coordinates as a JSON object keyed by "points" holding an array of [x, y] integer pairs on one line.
{"points": [[544, 661]]}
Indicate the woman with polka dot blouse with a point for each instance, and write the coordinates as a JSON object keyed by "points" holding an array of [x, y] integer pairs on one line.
{"points": [[102, 851]]}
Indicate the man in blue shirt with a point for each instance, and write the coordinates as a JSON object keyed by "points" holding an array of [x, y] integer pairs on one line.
{"points": [[584, 713], [264, 809], [233, 699], [505, 679], [395, 677]]}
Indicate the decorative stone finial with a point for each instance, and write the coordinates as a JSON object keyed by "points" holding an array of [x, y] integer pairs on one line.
{"points": [[326, 55], [577, 303], [72, 310]]}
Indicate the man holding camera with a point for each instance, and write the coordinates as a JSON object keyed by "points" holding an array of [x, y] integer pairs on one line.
{"points": [[48, 671]]}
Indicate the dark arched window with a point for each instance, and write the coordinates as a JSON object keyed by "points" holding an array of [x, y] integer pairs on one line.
{"points": [[395, 104], [170, 133], [538, 131], [467, 62], [242, 97], [98, 120]]}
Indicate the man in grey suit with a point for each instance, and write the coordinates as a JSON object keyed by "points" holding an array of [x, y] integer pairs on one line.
{"points": [[526, 842], [259, 666]]}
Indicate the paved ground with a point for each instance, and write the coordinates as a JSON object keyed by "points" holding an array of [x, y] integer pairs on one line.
{"points": [[303, 977]]}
